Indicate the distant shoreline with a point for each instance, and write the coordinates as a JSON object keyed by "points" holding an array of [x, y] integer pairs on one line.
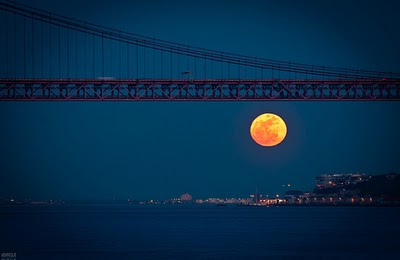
{"points": [[209, 205]]}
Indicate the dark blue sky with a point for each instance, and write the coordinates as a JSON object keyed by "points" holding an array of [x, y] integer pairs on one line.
{"points": [[160, 150]]}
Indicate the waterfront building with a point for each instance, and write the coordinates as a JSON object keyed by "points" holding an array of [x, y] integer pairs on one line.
{"points": [[325, 181], [271, 201], [186, 197]]}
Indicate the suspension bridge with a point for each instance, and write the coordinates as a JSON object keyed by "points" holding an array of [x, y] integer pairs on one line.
{"points": [[51, 57]]}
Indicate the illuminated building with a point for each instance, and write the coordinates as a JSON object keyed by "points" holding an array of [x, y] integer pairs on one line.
{"points": [[271, 201], [186, 197], [339, 180]]}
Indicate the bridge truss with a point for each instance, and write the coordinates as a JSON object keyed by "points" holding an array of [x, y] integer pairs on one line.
{"points": [[197, 90]]}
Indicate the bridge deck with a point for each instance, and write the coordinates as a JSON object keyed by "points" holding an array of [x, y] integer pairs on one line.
{"points": [[200, 90]]}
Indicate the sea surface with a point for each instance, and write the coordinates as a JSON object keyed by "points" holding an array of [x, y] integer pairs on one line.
{"points": [[199, 232]]}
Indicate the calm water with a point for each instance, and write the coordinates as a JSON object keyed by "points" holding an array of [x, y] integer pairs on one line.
{"points": [[196, 231]]}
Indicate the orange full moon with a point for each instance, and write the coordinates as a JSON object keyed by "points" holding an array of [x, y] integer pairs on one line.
{"points": [[268, 129]]}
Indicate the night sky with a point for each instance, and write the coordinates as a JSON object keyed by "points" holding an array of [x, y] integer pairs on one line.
{"points": [[158, 150]]}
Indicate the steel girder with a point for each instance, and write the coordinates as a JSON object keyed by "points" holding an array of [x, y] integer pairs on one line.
{"points": [[197, 90]]}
